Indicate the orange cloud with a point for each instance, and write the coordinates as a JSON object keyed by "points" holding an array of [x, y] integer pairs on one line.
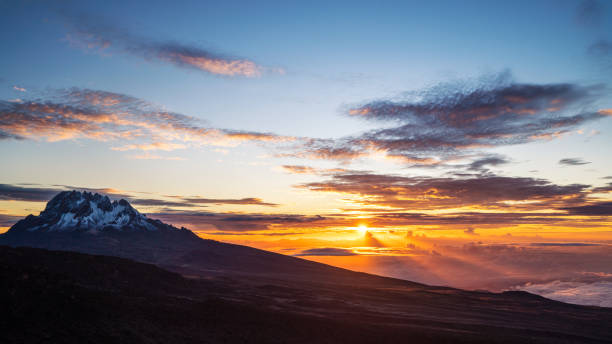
{"points": [[106, 116], [216, 65], [105, 40]]}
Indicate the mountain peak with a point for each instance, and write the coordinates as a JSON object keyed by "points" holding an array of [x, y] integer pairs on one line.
{"points": [[85, 211]]}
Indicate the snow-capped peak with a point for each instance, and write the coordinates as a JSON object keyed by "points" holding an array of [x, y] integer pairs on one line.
{"points": [[85, 211]]}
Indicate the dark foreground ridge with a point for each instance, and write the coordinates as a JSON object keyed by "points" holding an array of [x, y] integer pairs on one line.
{"points": [[203, 291], [68, 297]]}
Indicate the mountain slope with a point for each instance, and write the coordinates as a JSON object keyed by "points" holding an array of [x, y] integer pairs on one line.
{"points": [[73, 298]]}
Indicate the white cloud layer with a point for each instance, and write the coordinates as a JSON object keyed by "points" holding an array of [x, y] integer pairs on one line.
{"points": [[582, 293]]}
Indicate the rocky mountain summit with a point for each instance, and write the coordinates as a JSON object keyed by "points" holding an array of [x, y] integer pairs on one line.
{"points": [[72, 211]]}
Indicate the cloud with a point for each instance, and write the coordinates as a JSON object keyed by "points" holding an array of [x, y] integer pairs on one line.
{"points": [[39, 194], [581, 293], [476, 265], [239, 222], [470, 231], [241, 201], [479, 165], [563, 244], [453, 120], [105, 116], [459, 219], [597, 209], [573, 162], [327, 251], [589, 13], [325, 149], [8, 220], [20, 89], [300, 169], [600, 48], [28, 194], [601, 52], [152, 202], [412, 193], [92, 35]]}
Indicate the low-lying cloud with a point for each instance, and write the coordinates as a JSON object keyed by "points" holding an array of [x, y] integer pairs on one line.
{"points": [[581, 293], [327, 251]]}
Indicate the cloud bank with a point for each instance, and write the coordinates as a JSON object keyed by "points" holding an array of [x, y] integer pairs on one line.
{"points": [[582, 293]]}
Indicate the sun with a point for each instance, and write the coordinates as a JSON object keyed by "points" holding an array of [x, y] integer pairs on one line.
{"points": [[362, 228]]}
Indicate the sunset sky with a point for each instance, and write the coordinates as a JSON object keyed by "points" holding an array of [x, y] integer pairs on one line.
{"points": [[464, 143]]}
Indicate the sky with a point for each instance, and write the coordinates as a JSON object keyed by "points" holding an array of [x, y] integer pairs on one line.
{"points": [[452, 143]]}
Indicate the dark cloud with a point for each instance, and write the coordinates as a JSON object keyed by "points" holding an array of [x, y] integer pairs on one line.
{"points": [[233, 222], [28, 194], [603, 189], [573, 162], [447, 121], [8, 220], [563, 244], [40, 194], [201, 202], [241, 201], [31, 193], [589, 13], [601, 53], [600, 48], [470, 231], [151, 202], [326, 149], [479, 165], [462, 219], [327, 251], [433, 193], [273, 218], [91, 34], [597, 209]]}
